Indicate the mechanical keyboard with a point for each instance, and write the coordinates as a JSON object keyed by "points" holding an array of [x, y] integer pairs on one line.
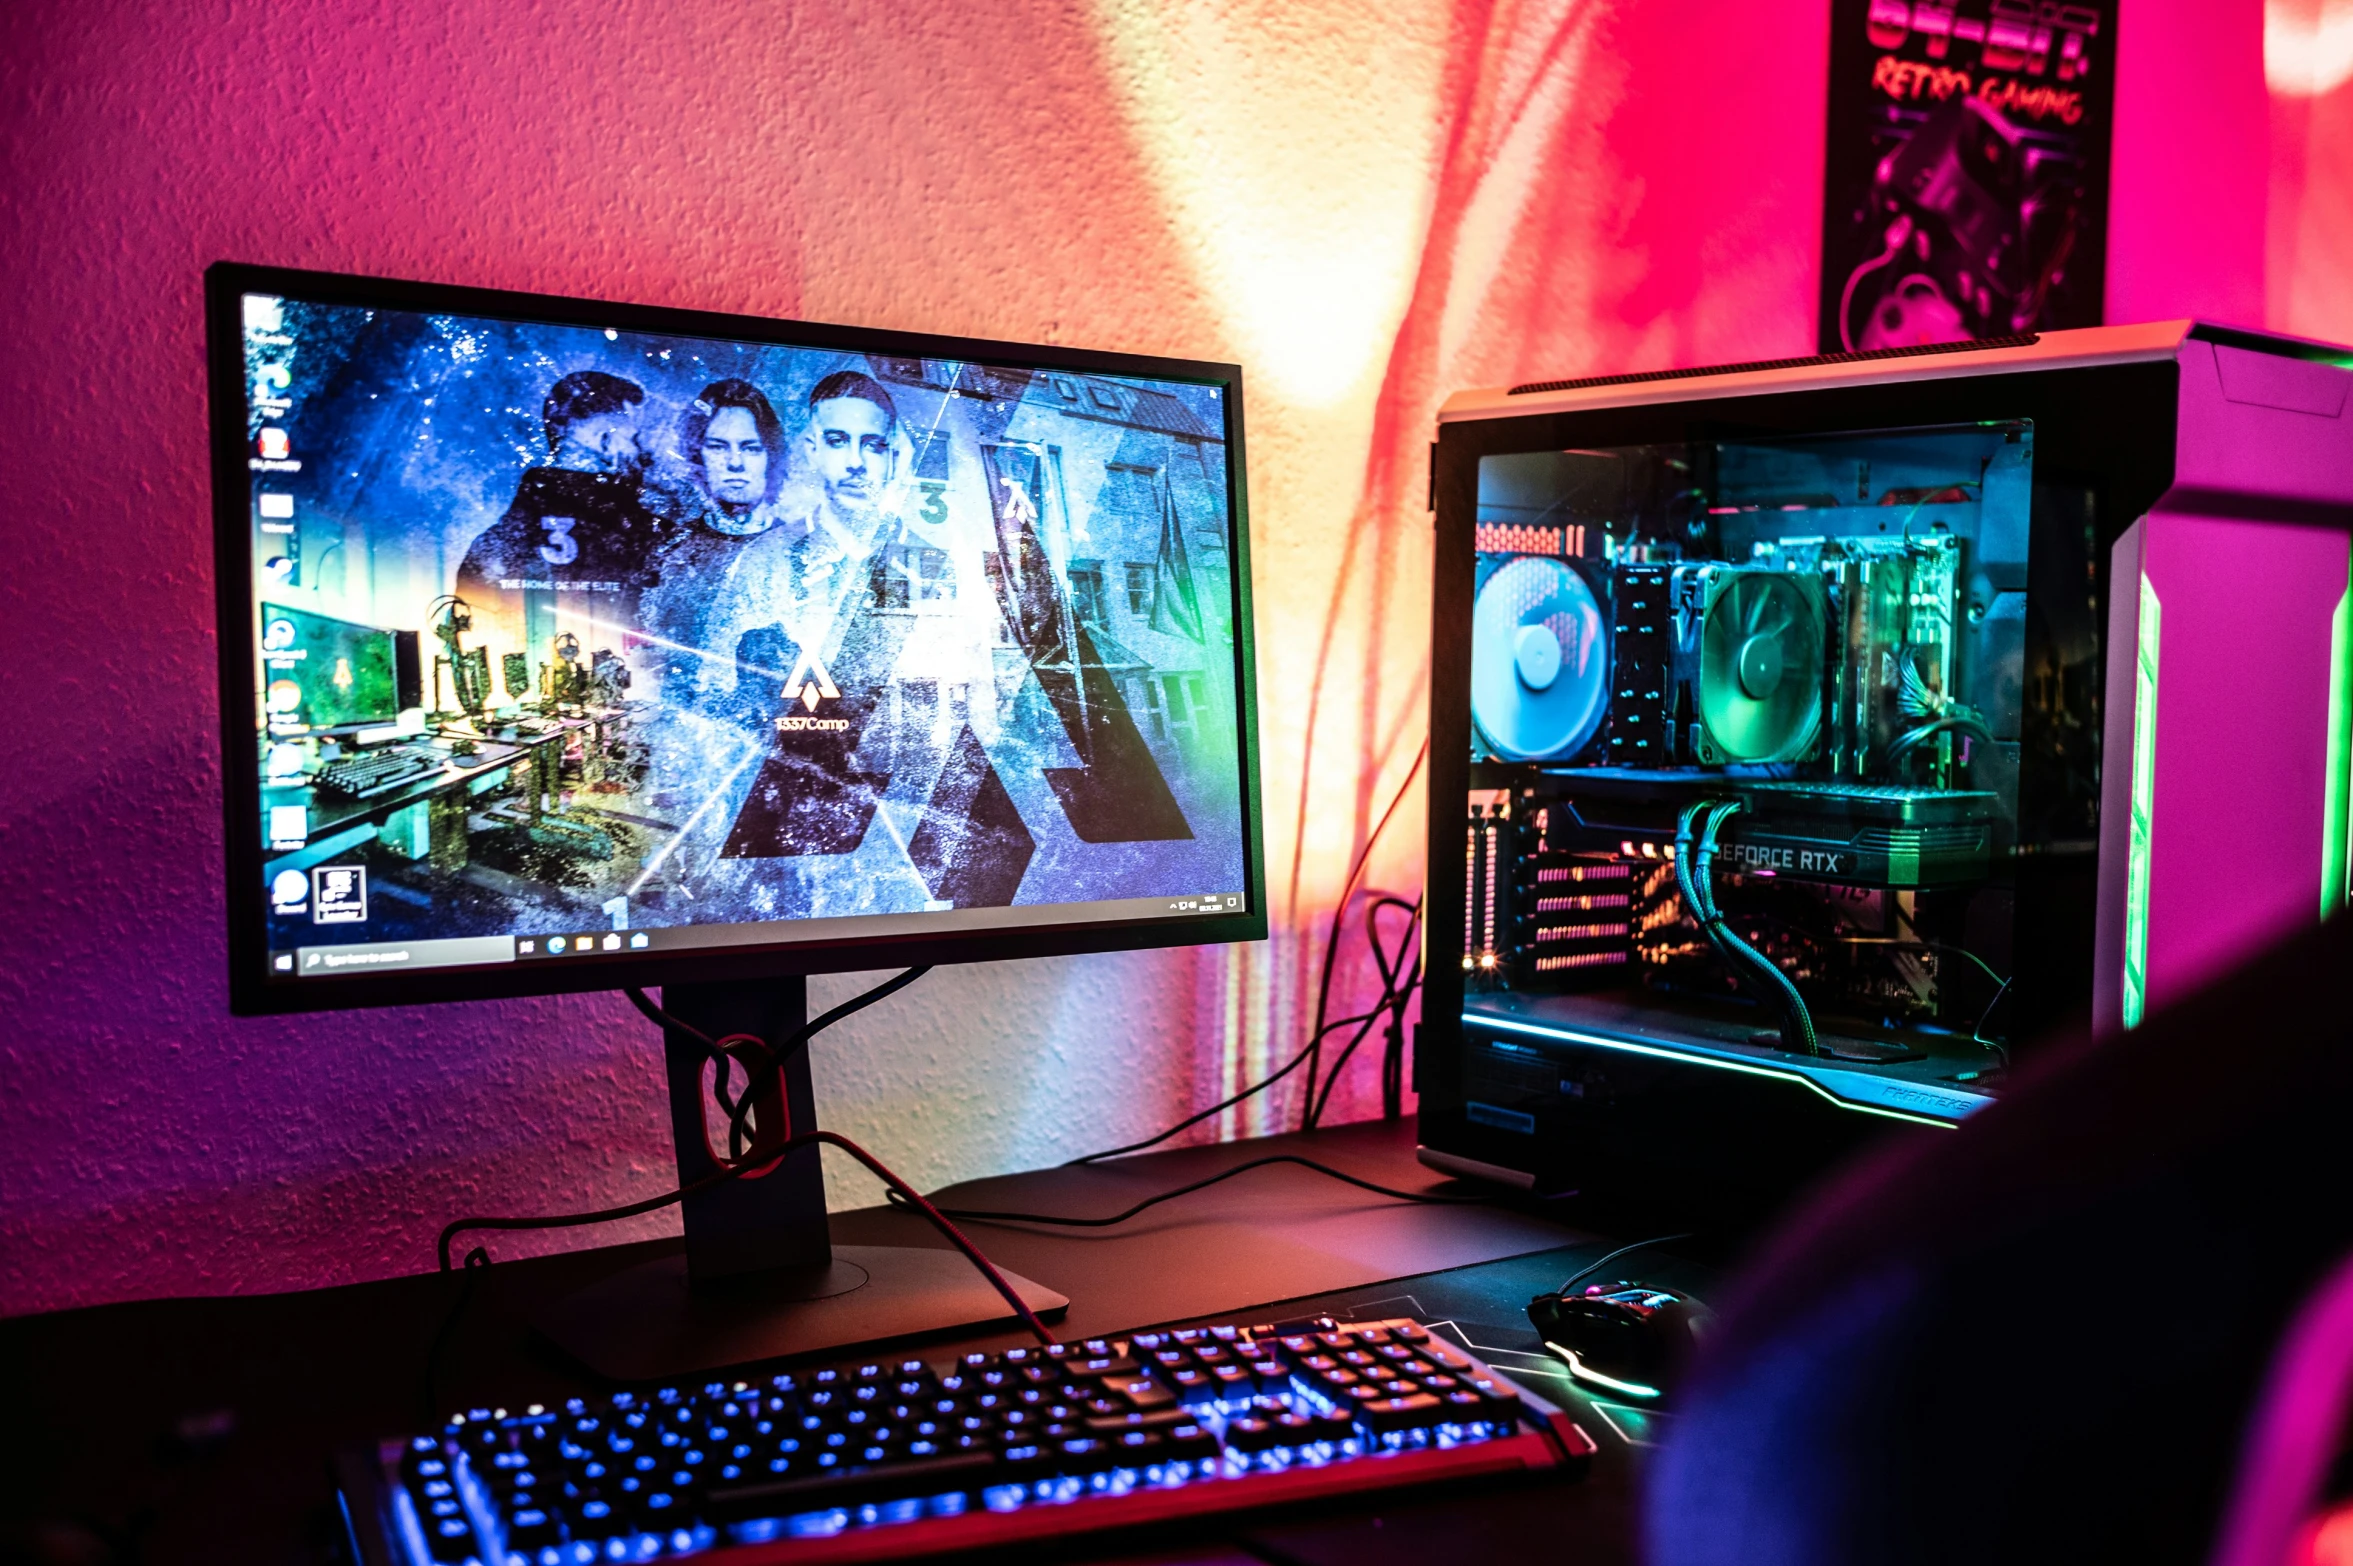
{"points": [[912, 1457], [375, 772]]}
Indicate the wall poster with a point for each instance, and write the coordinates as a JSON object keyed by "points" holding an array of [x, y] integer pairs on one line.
{"points": [[1966, 178]]}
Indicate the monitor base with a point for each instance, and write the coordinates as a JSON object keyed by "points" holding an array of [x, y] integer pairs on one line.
{"points": [[645, 1324]]}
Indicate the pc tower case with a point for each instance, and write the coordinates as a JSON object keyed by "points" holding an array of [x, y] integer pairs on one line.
{"points": [[1828, 731]]}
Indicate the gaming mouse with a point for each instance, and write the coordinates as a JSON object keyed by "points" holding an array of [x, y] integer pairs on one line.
{"points": [[1621, 1337]]}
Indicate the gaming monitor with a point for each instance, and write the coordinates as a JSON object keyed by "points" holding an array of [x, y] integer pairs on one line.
{"points": [[323, 675], [572, 646]]}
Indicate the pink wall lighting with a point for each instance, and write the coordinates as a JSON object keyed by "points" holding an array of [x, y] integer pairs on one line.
{"points": [[1366, 204]]}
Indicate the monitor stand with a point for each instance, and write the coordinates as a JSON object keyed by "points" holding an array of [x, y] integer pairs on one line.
{"points": [[760, 1277]]}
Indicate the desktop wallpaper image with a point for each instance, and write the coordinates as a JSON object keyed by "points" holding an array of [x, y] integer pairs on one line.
{"points": [[710, 633]]}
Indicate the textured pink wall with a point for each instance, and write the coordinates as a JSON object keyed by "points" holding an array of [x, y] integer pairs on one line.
{"points": [[2308, 62], [2185, 233], [1365, 204]]}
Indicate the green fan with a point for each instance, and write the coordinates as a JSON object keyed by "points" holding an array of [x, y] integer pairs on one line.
{"points": [[1761, 651]]}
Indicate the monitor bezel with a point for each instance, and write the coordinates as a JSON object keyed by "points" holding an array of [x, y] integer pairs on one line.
{"points": [[253, 992]]}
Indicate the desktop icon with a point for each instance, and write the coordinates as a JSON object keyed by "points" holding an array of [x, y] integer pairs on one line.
{"points": [[555, 945], [273, 444], [339, 894], [289, 891], [277, 506], [264, 313], [289, 828]]}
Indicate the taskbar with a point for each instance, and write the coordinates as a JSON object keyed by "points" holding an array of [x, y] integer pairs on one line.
{"points": [[354, 958]]}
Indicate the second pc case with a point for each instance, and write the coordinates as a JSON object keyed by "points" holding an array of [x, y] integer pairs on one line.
{"points": [[1828, 731]]}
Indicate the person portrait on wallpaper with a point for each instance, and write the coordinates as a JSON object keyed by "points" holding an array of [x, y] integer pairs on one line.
{"points": [[769, 654], [732, 446], [578, 526], [733, 443], [855, 664], [896, 601]]}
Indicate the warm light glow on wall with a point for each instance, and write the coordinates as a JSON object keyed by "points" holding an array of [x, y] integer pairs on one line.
{"points": [[1294, 146], [2307, 46], [2308, 65]]}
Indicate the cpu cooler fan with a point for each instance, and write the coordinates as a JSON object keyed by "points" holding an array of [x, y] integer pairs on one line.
{"points": [[1761, 644], [1539, 660]]}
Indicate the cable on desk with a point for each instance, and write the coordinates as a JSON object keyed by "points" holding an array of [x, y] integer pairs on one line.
{"points": [[1323, 993], [745, 1157], [1393, 1068], [980, 1215], [476, 1260], [1590, 1268], [902, 1194], [1252, 1091], [1392, 1002], [1406, 967]]}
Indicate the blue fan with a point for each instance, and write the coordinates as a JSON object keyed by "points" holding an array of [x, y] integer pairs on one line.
{"points": [[1539, 661]]}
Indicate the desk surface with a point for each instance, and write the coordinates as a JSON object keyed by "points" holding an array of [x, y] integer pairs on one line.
{"points": [[200, 1429]]}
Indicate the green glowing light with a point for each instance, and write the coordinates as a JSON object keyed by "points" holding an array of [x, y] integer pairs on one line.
{"points": [[2339, 783], [2144, 790], [1585, 1372], [1571, 1035]]}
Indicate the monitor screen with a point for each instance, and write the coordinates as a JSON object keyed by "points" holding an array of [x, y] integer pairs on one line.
{"points": [[575, 642], [320, 674]]}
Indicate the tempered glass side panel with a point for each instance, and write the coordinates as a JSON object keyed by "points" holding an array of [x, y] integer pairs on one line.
{"points": [[1782, 708]]}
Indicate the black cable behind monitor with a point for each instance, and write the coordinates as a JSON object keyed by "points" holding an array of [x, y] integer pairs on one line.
{"points": [[901, 1192], [1250, 1092], [1401, 975], [750, 1153], [1323, 994], [1592, 1267], [762, 1061], [1393, 1047], [982, 1215], [767, 1060], [1391, 1003]]}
